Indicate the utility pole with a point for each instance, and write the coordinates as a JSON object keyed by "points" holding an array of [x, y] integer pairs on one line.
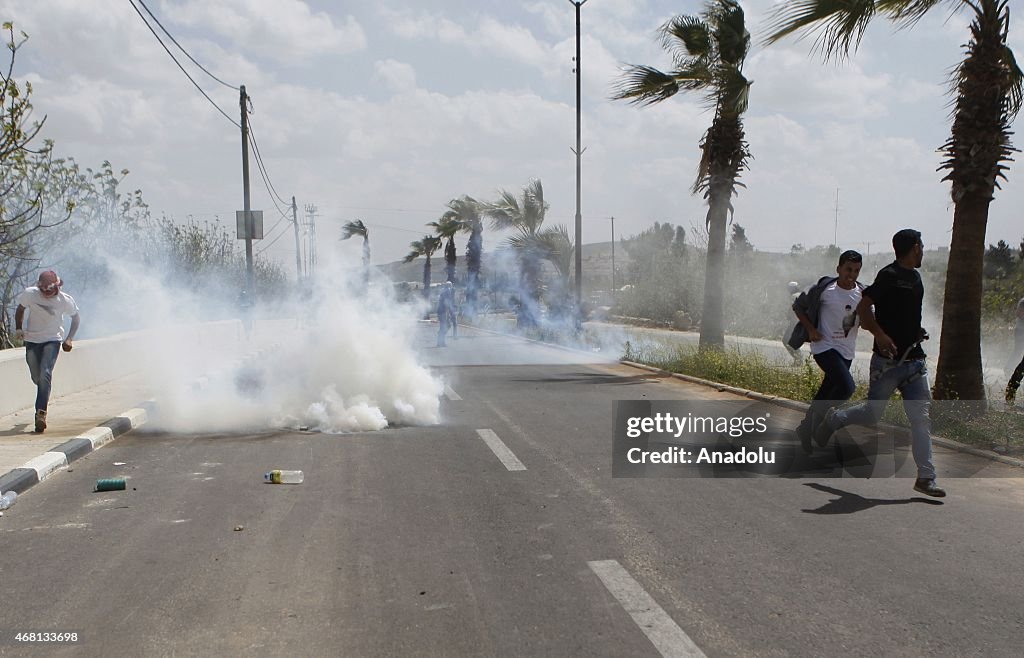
{"points": [[298, 250], [311, 234], [249, 229], [613, 256], [579, 152]]}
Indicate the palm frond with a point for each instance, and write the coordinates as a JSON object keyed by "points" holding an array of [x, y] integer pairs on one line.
{"points": [[425, 247], [504, 213], [839, 24], [447, 226], [644, 85], [686, 36], [734, 90], [534, 206], [355, 227], [1015, 83], [556, 246], [906, 12], [730, 32]]}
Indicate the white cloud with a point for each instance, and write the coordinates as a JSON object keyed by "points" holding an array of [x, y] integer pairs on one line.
{"points": [[504, 112], [396, 76], [280, 29]]}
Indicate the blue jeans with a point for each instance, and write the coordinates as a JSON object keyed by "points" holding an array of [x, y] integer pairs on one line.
{"points": [[837, 386], [41, 357], [911, 378]]}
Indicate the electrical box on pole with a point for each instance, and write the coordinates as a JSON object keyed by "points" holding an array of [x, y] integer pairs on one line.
{"points": [[249, 226]]}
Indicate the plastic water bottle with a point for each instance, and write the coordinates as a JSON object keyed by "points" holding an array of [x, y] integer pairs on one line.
{"points": [[283, 477], [8, 499]]}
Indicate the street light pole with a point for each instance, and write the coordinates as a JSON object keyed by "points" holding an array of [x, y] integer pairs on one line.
{"points": [[579, 152]]}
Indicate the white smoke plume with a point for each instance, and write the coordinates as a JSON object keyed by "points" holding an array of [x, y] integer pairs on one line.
{"points": [[340, 359]]}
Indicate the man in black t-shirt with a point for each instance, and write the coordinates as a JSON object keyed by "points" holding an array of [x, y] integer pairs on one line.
{"points": [[897, 362]]}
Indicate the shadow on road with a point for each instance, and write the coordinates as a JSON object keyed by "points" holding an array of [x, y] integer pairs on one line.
{"points": [[16, 430], [850, 503]]}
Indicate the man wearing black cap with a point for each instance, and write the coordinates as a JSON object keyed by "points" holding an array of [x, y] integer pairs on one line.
{"points": [[898, 362], [43, 333]]}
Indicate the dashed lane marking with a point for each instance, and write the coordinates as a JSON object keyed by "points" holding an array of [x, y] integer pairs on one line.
{"points": [[501, 450], [664, 634]]}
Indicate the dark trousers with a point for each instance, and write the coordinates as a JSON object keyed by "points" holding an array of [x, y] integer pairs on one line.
{"points": [[837, 386], [41, 357], [1018, 374]]}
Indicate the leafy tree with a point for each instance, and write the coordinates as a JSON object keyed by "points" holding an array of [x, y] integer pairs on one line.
{"points": [[657, 272], [740, 244], [987, 89], [38, 191], [999, 261], [708, 53]]}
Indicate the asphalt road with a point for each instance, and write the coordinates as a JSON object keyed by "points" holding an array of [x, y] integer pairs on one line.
{"points": [[426, 541]]}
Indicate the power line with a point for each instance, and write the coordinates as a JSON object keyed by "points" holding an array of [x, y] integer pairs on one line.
{"points": [[259, 160], [175, 41], [271, 243], [194, 83]]}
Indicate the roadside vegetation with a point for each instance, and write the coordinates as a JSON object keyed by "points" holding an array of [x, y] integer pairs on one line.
{"points": [[997, 429]]}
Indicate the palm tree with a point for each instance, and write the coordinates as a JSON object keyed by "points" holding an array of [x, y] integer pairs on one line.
{"points": [[557, 247], [356, 227], [426, 248], [987, 91], [465, 212], [525, 217], [708, 54], [446, 229]]}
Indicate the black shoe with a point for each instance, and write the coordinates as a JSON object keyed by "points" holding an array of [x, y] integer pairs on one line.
{"points": [[929, 488], [1011, 393], [823, 432]]}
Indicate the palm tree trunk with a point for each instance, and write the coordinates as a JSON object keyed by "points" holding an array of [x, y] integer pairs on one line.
{"points": [[426, 281], [712, 331], [450, 259], [959, 372], [473, 254], [366, 261], [979, 141]]}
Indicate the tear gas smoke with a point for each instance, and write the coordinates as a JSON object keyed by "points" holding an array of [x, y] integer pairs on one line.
{"points": [[340, 359]]}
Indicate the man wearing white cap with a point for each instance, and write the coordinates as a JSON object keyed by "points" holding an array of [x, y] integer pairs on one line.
{"points": [[43, 333]]}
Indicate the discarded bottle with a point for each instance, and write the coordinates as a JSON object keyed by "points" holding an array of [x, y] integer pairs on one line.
{"points": [[8, 499], [283, 477], [110, 484]]}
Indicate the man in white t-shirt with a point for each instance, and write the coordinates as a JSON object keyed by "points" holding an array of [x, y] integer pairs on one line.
{"points": [[43, 333], [833, 338]]}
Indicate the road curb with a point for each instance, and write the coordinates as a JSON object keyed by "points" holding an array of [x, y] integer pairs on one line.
{"points": [[803, 406], [58, 458]]}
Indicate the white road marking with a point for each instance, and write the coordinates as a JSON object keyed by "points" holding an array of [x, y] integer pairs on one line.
{"points": [[664, 634], [452, 395], [501, 450]]}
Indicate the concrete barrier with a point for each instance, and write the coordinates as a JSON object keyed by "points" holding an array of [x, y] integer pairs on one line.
{"points": [[95, 361]]}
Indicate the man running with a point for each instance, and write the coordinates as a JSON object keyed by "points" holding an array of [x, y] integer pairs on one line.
{"points": [[828, 314], [898, 362], [44, 333]]}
